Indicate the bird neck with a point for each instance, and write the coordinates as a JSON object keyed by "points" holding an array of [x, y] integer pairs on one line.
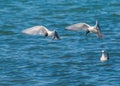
{"points": [[103, 54]]}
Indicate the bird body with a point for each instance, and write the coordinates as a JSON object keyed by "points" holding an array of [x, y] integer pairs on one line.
{"points": [[104, 56], [84, 26], [41, 30]]}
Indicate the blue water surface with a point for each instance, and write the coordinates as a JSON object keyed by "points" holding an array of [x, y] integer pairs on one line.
{"points": [[27, 60]]}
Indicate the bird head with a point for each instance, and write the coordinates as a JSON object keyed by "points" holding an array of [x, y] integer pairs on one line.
{"points": [[103, 51]]}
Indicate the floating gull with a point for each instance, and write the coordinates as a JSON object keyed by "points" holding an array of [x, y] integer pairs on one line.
{"points": [[41, 30], [83, 26], [104, 56]]}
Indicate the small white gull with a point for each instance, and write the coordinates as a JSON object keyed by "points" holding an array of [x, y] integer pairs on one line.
{"points": [[84, 26], [41, 30], [104, 56]]}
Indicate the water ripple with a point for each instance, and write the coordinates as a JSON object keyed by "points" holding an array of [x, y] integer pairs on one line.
{"points": [[71, 61]]}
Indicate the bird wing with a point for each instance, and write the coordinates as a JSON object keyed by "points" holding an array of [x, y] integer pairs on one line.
{"points": [[78, 26], [56, 36], [99, 31], [107, 55], [36, 30]]}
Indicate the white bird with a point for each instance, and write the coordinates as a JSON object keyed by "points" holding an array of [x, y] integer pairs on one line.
{"points": [[104, 56], [41, 30], [83, 26]]}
